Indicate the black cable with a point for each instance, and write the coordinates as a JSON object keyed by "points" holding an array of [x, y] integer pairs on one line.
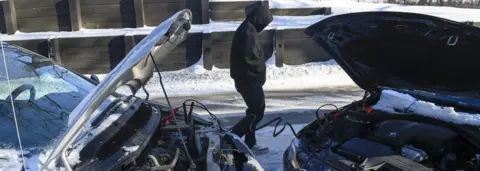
{"points": [[318, 110], [146, 92], [202, 106], [192, 163], [214, 117], [279, 120], [161, 81], [363, 99], [190, 113]]}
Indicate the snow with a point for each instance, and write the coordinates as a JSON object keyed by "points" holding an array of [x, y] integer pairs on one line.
{"points": [[195, 80], [129, 149], [392, 101], [74, 158], [10, 160]]}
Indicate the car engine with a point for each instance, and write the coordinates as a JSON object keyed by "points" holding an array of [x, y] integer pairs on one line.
{"points": [[188, 142], [149, 136], [354, 139]]}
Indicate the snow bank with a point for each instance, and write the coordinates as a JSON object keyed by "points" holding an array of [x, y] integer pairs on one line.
{"points": [[195, 80], [392, 101]]}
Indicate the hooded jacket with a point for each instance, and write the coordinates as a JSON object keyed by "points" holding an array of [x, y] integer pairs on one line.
{"points": [[247, 60]]}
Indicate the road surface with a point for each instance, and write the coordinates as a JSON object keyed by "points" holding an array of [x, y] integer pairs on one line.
{"points": [[294, 107]]}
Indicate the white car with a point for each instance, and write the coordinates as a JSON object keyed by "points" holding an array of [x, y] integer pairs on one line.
{"points": [[63, 120]]}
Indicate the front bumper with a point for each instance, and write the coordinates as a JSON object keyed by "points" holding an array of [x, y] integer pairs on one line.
{"points": [[287, 165], [290, 161]]}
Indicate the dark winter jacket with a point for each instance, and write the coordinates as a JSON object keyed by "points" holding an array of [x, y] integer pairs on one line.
{"points": [[247, 60]]}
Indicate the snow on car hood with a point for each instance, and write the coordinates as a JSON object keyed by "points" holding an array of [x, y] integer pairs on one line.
{"points": [[402, 51], [134, 70], [392, 101]]}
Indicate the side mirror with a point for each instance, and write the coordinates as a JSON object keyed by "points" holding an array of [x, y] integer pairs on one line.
{"points": [[95, 79]]}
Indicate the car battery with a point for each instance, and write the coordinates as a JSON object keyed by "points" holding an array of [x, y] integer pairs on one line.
{"points": [[169, 133]]}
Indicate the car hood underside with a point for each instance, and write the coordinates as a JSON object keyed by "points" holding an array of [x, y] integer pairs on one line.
{"points": [[403, 51]]}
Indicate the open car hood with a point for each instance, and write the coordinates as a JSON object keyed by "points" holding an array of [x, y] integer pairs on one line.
{"points": [[134, 71], [403, 51]]}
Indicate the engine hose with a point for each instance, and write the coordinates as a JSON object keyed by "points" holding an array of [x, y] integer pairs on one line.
{"points": [[164, 167]]}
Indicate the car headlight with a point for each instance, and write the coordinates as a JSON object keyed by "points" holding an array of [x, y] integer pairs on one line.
{"points": [[302, 159], [292, 154]]}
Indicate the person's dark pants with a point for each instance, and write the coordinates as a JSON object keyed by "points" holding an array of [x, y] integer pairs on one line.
{"points": [[254, 97]]}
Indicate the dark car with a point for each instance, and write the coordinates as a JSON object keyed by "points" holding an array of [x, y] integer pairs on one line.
{"points": [[52, 118], [421, 109]]}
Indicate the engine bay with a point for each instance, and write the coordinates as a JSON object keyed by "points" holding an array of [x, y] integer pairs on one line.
{"points": [[357, 137], [150, 136], [184, 141]]}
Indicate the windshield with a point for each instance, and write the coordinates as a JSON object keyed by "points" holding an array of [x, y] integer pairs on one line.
{"points": [[43, 94]]}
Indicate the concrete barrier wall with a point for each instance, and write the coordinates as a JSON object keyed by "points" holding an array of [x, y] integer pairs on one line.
{"points": [[100, 54], [97, 55], [90, 54], [299, 48], [40, 46], [42, 15], [235, 10], [157, 11], [221, 44], [72, 15], [97, 14], [184, 55], [231, 11]]}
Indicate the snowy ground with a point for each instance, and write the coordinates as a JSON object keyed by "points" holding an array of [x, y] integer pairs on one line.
{"points": [[195, 80]]}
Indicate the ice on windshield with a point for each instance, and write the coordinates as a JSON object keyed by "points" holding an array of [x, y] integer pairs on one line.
{"points": [[43, 93]]}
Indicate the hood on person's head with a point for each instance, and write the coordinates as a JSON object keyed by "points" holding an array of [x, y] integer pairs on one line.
{"points": [[260, 17]]}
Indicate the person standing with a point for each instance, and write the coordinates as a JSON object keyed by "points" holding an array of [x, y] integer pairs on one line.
{"points": [[248, 70]]}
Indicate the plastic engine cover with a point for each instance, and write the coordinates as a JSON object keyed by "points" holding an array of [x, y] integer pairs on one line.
{"points": [[398, 133], [371, 155]]}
